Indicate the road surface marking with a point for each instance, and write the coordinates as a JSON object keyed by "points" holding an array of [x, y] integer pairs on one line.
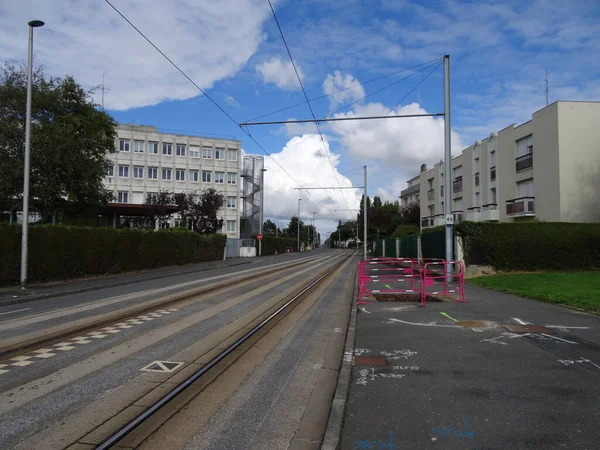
{"points": [[15, 311], [451, 318], [557, 338], [431, 324], [567, 328], [365, 310]]}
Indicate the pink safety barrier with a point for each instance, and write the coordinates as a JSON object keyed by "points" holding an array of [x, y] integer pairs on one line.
{"points": [[447, 275], [378, 270]]}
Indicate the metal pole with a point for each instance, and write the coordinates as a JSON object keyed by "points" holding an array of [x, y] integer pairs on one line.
{"points": [[25, 226], [365, 218], [299, 200], [262, 206], [447, 160]]}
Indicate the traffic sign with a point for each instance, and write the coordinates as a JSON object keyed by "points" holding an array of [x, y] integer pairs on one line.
{"points": [[259, 237]]}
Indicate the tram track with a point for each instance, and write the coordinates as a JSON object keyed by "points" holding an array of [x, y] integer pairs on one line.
{"points": [[123, 430]]}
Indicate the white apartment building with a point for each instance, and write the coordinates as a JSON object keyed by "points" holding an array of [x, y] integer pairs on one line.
{"points": [[412, 193], [546, 169], [147, 161]]}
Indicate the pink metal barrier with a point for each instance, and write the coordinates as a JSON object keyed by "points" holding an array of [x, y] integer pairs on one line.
{"points": [[427, 276]]}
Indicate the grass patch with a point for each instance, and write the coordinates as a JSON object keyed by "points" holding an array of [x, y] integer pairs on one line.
{"points": [[578, 289]]}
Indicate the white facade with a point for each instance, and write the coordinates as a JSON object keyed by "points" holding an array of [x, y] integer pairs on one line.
{"points": [[547, 168], [147, 161]]}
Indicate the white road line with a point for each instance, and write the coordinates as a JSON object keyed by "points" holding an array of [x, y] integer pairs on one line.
{"points": [[557, 338], [516, 319], [15, 311], [567, 328], [365, 310], [432, 324]]}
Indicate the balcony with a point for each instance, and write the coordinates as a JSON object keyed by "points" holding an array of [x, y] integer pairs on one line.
{"points": [[430, 194], [458, 216], [474, 214], [493, 173], [524, 162], [520, 207], [457, 185], [477, 179], [490, 213], [427, 222], [438, 220]]}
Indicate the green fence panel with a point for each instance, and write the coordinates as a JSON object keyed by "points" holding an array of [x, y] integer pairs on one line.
{"points": [[378, 248], [433, 245], [390, 247], [408, 247]]}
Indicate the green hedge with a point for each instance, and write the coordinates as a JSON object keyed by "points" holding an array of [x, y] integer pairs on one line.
{"points": [[272, 243], [406, 230], [531, 246], [62, 252]]}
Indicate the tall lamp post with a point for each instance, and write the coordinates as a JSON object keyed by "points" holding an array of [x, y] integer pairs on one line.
{"points": [[262, 207], [25, 227], [299, 200]]}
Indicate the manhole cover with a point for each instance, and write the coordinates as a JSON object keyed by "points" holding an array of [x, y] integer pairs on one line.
{"points": [[472, 324], [527, 328], [370, 361]]}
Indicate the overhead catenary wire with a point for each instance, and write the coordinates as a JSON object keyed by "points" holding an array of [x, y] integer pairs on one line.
{"points": [[211, 100], [345, 89], [307, 100], [413, 89]]}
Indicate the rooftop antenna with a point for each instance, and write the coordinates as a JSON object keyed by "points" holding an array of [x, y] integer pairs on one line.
{"points": [[547, 73], [105, 89]]}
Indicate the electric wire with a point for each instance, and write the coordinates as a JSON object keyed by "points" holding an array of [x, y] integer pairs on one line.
{"points": [[413, 89]]}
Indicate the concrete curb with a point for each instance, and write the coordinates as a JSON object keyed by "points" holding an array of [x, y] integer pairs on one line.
{"points": [[333, 431], [109, 285]]}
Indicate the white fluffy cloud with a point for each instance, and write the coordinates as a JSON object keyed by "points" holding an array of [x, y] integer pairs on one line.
{"points": [[280, 73], [305, 158], [402, 144], [208, 40], [337, 81]]}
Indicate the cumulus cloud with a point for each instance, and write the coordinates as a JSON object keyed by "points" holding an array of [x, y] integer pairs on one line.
{"points": [[305, 158], [208, 40], [232, 101], [400, 144], [336, 82], [280, 73]]}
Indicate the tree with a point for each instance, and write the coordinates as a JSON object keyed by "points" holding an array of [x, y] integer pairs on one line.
{"points": [[70, 139], [161, 201], [411, 214], [183, 202], [269, 227], [204, 212]]}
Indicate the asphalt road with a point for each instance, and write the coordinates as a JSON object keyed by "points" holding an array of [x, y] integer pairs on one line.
{"points": [[443, 385]]}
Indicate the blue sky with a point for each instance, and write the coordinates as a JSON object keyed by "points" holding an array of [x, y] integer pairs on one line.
{"points": [[232, 48]]}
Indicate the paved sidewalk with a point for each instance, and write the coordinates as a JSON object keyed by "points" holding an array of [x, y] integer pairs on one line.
{"points": [[444, 384], [36, 291]]}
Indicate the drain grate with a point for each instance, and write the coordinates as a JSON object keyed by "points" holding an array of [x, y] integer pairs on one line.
{"points": [[370, 361], [527, 328]]}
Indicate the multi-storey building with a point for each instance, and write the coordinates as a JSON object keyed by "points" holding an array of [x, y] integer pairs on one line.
{"points": [[412, 193], [147, 162], [547, 168]]}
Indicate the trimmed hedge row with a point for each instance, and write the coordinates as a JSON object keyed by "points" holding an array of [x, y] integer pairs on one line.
{"points": [[62, 252], [272, 243], [531, 246]]}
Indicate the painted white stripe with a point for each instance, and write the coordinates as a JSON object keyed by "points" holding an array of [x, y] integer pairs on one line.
{"points": [[516, 319], [569, 328], [557, 338], [15, 311], [365, 310], [433, 324]]}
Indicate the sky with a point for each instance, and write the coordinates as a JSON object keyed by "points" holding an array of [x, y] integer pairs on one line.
{"points": [[384, 54]]}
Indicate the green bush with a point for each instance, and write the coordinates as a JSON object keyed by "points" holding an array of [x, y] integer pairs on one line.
{"points": [[406, 230], [531, 246], [62, 252], [272, 243]]}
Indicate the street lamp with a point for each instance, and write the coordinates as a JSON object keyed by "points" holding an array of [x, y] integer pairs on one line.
{"points": [[313, 231], [299, 200], [25, 227], [262, 207]]}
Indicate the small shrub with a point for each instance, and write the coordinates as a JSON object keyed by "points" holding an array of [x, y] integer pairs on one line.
{"points": [[406, 230]]}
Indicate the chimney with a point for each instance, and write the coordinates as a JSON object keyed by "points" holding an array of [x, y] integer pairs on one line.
{"points": [[423, 167]]}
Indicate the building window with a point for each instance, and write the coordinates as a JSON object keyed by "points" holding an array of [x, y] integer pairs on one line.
{"points": [[231, 202], [166, 174], [231, 226], [194, 151], [232, 155], [138, 146], [124, 171], [153, 173], [110, 171], [180, 174], [153, 148], [138, 172], [493, 196], [231, 178], [167, 149], [206, 176], [194, 176], [206, 152], [219, 153], [219, 177], [180, 149], [123, 145], [151, 197], [123, 197]]}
